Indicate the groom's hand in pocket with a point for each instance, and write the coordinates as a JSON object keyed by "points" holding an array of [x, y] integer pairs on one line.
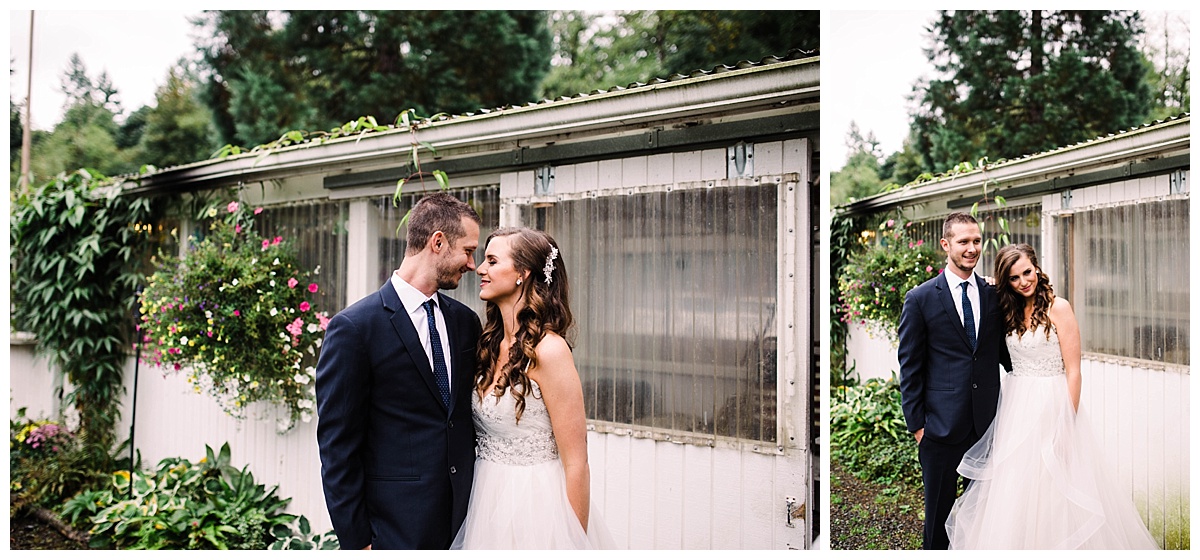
{"points": [[919, 434]]}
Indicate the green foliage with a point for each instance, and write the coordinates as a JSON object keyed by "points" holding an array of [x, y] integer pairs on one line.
{"points": [[593, 51], [873, 282], [209, 505], [843, 243], [868, 435], [178, 129], [306, 70], [47, 463], [76, 253], [235, 311], [1021, 82], [298, 535]]}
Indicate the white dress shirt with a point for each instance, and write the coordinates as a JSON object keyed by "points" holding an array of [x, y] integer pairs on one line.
{"points": [[414, 304], [956, 294]]}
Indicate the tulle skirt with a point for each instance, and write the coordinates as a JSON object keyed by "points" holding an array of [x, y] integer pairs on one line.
{"points": [[1039, 480], [525, 507]]}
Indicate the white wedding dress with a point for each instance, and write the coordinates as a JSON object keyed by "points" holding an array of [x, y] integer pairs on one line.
{"points": [[1038, 478], [519, 497]]}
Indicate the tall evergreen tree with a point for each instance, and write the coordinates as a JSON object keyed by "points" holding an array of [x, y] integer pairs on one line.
{"points": [[178, 129], [594, 51], [1019, 82], [270, 72]]}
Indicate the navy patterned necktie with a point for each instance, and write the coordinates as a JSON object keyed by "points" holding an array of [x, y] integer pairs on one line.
{"points": [[439, 358], [968, 315]]}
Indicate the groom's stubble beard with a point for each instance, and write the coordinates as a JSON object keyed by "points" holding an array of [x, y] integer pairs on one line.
{"points": [[448, 277]]}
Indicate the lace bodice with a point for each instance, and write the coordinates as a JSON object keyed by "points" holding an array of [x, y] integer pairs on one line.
{"points": [[500, 439], [1033, 355]]}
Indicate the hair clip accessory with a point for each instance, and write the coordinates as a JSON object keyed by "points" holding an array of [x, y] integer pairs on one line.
{"points": [[548, 270]]}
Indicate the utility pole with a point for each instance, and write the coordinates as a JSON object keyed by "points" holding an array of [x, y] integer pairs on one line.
{"points": [[26, 132]]}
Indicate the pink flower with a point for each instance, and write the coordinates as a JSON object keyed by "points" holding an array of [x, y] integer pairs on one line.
{"points": [[277, 240], [304, 307], [292, 282], [237, 228], [296, 327], [237, 313], [313, 288], [266, 244], [929, 269], [258, 211], [891, 223], [323, 320], [233, 206]]}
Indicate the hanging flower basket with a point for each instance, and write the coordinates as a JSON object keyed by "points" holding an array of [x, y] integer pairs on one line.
{"points": [[237, 315]]}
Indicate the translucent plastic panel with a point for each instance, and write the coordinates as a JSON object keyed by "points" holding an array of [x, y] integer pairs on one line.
{"points": [[1127, 278], [675, 300], [318, 230], [1024, 226], [392, 244]]}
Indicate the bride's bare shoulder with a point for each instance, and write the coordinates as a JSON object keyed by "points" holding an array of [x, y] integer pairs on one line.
{"points": [[1061, 308]]}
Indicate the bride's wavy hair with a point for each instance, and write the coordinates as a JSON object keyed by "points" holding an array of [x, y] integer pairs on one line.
{"points": [[544, 308], [1012, 304]]}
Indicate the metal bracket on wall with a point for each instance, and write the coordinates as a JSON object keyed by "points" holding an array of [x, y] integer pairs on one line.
{"points": [[1179, 181], [1066, 199], [741, 160], [543, 182], [794, 510]]}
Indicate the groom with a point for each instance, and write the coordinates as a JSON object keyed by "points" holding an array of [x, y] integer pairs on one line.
{"points": [[394, 384], [951, 346]]}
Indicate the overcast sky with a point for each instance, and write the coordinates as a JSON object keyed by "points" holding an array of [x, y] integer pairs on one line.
{"points": [[869, 63], [135, 48]]}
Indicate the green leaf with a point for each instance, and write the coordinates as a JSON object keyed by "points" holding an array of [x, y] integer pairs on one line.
{"points": [[442, 179], [399, 189], [975, 211], [1000, 201], [429, 146]]}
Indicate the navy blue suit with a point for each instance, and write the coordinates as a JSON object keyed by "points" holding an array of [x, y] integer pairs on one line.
{"points": [[396, 464], [946, 387]]}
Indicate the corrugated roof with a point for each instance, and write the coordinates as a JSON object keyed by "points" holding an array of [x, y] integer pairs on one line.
{"points": [[1004, 163], [792, 55]]}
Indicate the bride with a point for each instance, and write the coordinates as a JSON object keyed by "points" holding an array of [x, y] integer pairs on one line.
{"points": [[532, 482], [1038, 477]]}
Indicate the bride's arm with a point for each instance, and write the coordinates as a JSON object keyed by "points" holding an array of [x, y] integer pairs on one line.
{"points": [[558, 379], [1064, 321]]}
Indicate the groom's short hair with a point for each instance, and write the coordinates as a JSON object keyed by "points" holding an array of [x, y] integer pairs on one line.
{"points": [[437, 212], [956, 218]]}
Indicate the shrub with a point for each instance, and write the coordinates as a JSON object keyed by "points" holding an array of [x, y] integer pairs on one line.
{"points": [[868, 435], [873, 282], [181, 505], [236, 313], [47, 463]]}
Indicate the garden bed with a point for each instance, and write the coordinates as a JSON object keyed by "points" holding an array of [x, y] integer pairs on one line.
{"points": [[869, 516]]}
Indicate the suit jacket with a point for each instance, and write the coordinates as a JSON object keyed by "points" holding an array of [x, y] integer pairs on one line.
{"points": [[946, 388], [396, 464]]}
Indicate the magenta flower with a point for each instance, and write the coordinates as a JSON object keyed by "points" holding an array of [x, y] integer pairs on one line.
{"points": [[277, 240], [237, 228], [313, 288], [258, 211], [233, 206], [292, 282], [266, 244], [304, 307], [237, 313], [296, 327]]}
